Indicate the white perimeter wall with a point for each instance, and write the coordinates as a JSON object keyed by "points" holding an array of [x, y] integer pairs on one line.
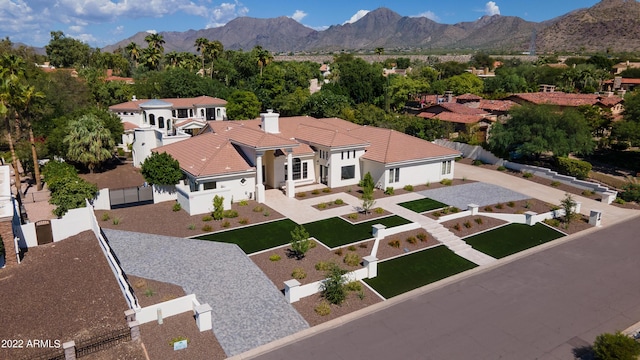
{"points": [[72, 223]]}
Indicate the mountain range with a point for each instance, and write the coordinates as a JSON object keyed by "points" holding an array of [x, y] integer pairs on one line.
{"points": [[610, 25]]}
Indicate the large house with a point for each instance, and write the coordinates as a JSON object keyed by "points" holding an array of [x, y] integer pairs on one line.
{"points": [[152, 123], [239, 159]]}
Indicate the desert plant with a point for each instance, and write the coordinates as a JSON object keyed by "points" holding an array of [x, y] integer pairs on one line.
{"points": [[616, 346], [300, 241], [323, 265], [226, 224], [367, 193], [488, 209], [619, 201], [338, 202], [467, 224], [412, 240], [527, 175], [446, 182], [323, 309], [243, 221], [454, 210], [333, 286], [353, 286], [326, 190], [353, 216], [501, 168], [395, 243], [428, 184], [588, 193], [552, 222], [437, 213], [218, 207], [363, 245], [266, 213], [500, 206], [477, 162], [176, 207], [191, 226], [528, 204], [301, 194], [339, 252], [298, 273], [568, 205], [116, 220], [457, 227], [207, 228], [511, 204], [322, 206], [555, 183], [422, 237], [361, 295], [378, 210], [207, 218], [312, 244], [106, 217], [230, 213], [352, 248], [352, 259], [275, 257], [258, 209], [315, 191], [408, 187], [388, 191], [149, 292], [478, 221]]}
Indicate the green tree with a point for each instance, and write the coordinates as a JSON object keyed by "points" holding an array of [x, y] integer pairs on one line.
{"points": [[568, 205], [464, 83], [363, 82], [201, 45], [325, 103], [161, 169], [481, 60], [218, 207], [367, 193], [262, 56], [64, 51], [72, 194], [332, 288], [615, 347], [134, 52], [300, 242], [89, 142], [401, 87], [243, 105]]}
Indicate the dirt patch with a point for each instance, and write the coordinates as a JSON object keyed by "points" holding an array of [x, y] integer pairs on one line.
{"points": [[353, 302], [117, 177], [329, 205], [151, 292], [358, 217], [471, 225], [162, 220]]}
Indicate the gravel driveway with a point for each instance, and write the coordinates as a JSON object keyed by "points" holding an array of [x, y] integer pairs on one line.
{"points": [[478, 193]]}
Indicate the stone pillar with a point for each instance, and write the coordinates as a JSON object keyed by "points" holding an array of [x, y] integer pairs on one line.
{"points": [[203, 317], [371, 263], [473, 208], [595, 217], [130, 315], [69, 350], [375, 230], [291, 189], [259, 179], [290, 287], [134, 327], [529, 218], [608, 197]]}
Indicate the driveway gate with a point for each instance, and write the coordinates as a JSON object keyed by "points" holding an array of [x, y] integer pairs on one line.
{"points": [[133, 196]]}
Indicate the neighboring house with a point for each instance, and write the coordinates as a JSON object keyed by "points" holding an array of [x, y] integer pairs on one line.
{"points": [[152, 123], [465, 115], [565, 100], [239, 159], [622, 85], [620, 67], [110, 77]]}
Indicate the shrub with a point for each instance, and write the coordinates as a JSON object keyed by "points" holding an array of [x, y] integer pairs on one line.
{"points": [[428, 184], [457, 227], [353, 216], [552, 222], [555, 183], [527, 175], [116, 220], [207, 218], [105, 217], [353, 286], [454, 209], [218, 207], [379, 210], [266, 213], [339, 202], [361, 295], [298, 273], [395, 243], [176, 207], [363, 245], [243, 203], [408, 187], [207, 228], [446, 182], [588, 193], [352, 259], [149, 292], [620, 201], [422, 237], [258, 209], [230, 213], [502, 168], [312, 244], [477, 162], [631, 192], [191, 226], [467, 224], [528, 204], [511, 204], [488, 209], [243, 221], [226, 224], [388, 190], [326, 190], [315, 192], [412, 240], [323, 309], [322, 206], [178, 339], [323, 265], [615, 347], [333, 286], [300, 242], [338, 252], [573, 167], [437, 213], [352, 248], [301, 194], [500, 206], [568, 205], [275, 257], [478, 221]]}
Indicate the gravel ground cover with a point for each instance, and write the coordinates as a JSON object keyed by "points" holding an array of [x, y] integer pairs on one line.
{"points": [[512, 238], [478, 193]]}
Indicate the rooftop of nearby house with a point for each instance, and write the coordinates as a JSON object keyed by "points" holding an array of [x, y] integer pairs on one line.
{"points": [[565, 99], [453, 117], [215, 152], [625, 81], [178, 103], [455, 108], [61, 291]]}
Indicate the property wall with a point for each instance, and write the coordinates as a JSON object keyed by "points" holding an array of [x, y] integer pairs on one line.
{"points": [[72, 223], [168, 308], [102, 201], [411, 174], [162, 193], [201, 202]]}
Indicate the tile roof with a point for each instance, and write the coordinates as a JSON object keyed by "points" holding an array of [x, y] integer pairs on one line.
{"points": [[565, 99], [452, 117], [134, 105], [207, 154], [468, 96], [129, 125], [496, 105], [454, 108]]}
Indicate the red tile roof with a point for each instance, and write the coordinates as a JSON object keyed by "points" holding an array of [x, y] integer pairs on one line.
{"points": [[134, 105], [565, 99], [129, 126], [469, 96], [454, 108], [496, 105], [452, 117]]}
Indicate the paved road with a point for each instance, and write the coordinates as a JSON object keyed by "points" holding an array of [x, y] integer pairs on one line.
{"points": [[542, 306]]}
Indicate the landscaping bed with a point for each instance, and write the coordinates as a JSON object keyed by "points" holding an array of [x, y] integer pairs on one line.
{"points": [[356, 191], [162, 220], [471, 225], [358, 217], [513, 238], [330, 205], [353, 302]]}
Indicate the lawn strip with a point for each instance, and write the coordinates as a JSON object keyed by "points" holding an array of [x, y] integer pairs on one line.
{"points": [[415, 270], [257, 237], [335, 232], [511, 239], [422, 205]]}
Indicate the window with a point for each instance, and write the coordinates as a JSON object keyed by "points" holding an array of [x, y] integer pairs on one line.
{"points": [[348, 172], [182, 113], [209, 185], [201, 112], [342, 155], [394, 175], [152, 119], [144, 117], [218, 116], [354, 154], [190, 112], [305, 172], [446, 167], [161, 122], [296, 169], [173, 113]]}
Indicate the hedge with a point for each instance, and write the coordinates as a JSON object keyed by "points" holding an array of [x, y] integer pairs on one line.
{"points": [[572, 167]]}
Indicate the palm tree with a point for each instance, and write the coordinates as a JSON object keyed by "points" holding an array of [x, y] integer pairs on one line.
{"points": [[155, 50], [134, 52], [379, 51], [25, 97], [10, 70], [201, 45], [151, 58], [172, 58], [263, 56], [90, 143], [155, 41]]}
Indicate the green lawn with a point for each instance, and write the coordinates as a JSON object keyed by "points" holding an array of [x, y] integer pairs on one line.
{"points": [[422, 205], [257, 237], [412, 271], [336, 232], [511, 239]]}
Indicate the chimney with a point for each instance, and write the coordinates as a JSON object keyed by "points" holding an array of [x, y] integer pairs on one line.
{"points": [[270, 122], [449, 95], [133, 98]]}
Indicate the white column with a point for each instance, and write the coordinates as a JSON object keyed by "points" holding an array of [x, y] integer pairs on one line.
{"points": [[259, 179], [291, 288], [291, 190], [203, 317], [595, 217]]}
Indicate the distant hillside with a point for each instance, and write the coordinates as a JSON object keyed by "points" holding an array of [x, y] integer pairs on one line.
{"points": [[610, 24]]}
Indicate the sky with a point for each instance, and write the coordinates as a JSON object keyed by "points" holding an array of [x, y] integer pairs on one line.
{"points": [[104, 22]]}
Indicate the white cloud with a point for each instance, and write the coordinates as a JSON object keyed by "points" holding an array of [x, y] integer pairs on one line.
{"points": [[151, 31], [357, 16], [491, 8], [429, 15], [298, 15], [226, 12], [118, 30]]}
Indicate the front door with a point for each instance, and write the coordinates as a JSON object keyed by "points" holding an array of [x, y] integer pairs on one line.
{"points": [[324, 174]]}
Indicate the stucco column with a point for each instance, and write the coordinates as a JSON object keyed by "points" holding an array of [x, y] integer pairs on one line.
{"points": [[259, 178], [291, 191]]}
